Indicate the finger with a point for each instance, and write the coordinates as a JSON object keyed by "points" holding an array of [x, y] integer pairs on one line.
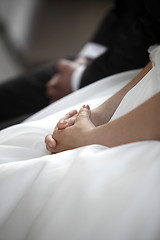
{"points": [[53, 93], [62, 64], [50, 142], [54, 80], [67, 120], [52, 85], [67, 123], [84, 112], [83, 117], [68, 115], [85, 106]]}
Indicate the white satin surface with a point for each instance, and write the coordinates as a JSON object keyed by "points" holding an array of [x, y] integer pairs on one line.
{"points": [[89, 193]]}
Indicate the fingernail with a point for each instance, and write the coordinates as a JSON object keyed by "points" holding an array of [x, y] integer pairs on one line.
{"points": [[86, 106], [63, 122]]}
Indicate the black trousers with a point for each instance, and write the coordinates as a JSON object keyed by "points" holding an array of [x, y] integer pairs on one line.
{"points": [[24, 95]]}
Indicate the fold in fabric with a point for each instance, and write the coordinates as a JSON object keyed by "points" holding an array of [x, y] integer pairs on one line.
{"points": [[89, 193]]}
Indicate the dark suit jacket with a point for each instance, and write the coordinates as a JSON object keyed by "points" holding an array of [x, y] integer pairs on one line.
{"points": [[130, 28]]}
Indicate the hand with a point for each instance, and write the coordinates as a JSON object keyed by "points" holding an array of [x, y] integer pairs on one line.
{"points": [[83, 60], [74, 136], [69, 120], [60, 84], [96, 117], [49, 140]]}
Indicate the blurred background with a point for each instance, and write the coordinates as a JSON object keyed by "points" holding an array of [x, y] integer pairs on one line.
{"points": [[36, 32]]}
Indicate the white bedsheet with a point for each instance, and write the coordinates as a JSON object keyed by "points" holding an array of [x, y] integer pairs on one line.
{"points": [[90, 193]]}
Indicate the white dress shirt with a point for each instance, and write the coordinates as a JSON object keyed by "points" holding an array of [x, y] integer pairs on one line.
{"points": [[90, 50]]}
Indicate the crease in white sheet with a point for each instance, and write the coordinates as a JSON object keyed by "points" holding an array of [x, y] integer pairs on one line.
{"points": [[86, 194]]}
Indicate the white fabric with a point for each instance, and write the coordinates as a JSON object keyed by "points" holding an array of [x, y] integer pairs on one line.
{"points": [[76, 77], [90, 50], [146, 88], [89, 193]]}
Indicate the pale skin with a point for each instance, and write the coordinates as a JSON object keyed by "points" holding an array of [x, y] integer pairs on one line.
{"points": [[88, 127]]}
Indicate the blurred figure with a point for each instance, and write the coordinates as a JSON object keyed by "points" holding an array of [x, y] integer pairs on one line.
{"points": [[119, 44]]}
